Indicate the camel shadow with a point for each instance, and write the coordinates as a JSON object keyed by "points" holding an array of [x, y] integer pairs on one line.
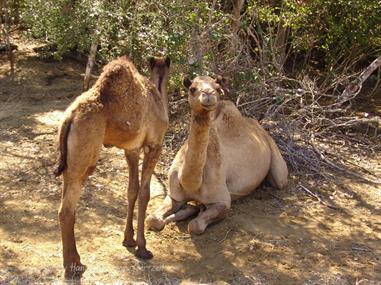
{"points": [[267, 238]]}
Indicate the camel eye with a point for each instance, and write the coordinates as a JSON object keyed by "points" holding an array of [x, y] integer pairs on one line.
{"points": [[220, 91], [192, 90]]}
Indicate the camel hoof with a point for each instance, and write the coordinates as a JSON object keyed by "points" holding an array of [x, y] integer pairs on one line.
{"points": [[129, 243], [75, 271], [155, 224], [143, 254], [194, 228]]}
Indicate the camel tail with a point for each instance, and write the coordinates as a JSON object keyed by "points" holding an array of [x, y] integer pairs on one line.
{"points": [[62, 146]]}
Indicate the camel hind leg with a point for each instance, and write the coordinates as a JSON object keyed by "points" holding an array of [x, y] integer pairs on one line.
{"points": [[278, 173], [84, 143]]}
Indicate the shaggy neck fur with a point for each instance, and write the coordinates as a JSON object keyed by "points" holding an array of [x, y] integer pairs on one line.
{"points": [[196, 152]]}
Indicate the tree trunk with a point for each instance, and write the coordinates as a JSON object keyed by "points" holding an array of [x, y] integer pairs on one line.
{"points": [[236, 24], [6, 32], [236, 13], [280, 45], [90, 64]]}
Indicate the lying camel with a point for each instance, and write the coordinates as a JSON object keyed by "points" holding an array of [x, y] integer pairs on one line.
{"points": [[226, 156], [122, 109]]}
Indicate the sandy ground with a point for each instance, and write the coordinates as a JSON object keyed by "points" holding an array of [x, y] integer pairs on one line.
{"points": [[270, 237]]}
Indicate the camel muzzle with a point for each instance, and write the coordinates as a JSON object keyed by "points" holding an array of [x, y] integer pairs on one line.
{"points": [[208, 101]]}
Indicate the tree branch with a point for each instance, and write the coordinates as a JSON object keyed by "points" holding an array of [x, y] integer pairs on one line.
{"points": [[353, 89]]}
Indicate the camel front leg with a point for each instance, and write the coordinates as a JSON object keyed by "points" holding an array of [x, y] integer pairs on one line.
{"points": [[151, 157], [212, 213], [185, 212], [168, 212], [132, 194]]}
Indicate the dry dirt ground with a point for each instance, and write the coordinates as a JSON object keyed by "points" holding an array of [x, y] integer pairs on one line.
{"points": [[270, 237]]}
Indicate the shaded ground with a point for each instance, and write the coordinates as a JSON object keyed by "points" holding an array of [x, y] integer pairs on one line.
{"points": [[271, 237]]}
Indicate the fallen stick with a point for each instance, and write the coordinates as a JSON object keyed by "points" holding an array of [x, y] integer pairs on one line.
{"points": [[226, 235], [333, 165], [360, 249], [317, 197], [355, 174]]}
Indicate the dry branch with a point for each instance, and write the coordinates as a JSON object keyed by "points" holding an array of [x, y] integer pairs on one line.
{"points": [[303, 118], [353, 89], [320, 199]]}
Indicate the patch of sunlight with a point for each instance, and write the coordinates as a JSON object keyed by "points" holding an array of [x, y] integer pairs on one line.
{"points": [[50, 118]]}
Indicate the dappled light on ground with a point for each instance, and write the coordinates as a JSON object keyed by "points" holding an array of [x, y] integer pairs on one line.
{"points": [[270, 237]]}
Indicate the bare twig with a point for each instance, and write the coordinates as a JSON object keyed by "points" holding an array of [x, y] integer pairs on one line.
{"points": [[360, 249], [226, 235], [317, 197]]}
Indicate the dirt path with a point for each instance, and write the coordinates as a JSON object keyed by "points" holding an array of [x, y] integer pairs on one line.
{"points": [[271, 237]]}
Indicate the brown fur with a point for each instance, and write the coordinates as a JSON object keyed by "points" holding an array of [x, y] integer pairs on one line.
{"points": [[122, 109], [225, 157]]}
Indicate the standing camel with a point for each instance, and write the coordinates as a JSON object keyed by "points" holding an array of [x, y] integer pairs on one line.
{"points": [[226, 156], [122, 109]]}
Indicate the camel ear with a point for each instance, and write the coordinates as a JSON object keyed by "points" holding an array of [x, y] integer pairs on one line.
{"points": [[151, 62], [221, 80], [168, 61], [187, 82]]}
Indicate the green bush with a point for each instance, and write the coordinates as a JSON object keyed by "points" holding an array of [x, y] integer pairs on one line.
{"points": [[196, 33], [334, 29]]}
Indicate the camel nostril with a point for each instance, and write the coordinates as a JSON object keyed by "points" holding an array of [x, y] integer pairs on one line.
{"points": [[206, 99]]}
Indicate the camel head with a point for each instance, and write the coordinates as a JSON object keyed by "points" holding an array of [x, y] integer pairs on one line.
{"points": [[159, 69], [204, 92]]}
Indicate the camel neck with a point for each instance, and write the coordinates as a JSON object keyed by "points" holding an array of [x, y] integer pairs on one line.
{"points": [[196, 153], [161, 82]]}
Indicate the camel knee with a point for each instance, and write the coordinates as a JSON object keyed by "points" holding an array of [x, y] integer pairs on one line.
{"points": [[66, 212], [197, 227], [66, 215], [155, 223], [144, 198], [219, 211], [213, 213], [132, 194], [144, 195], [223, 210]]}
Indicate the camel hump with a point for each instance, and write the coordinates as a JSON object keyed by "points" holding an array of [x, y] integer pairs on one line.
{"points": [[116, 78]]}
